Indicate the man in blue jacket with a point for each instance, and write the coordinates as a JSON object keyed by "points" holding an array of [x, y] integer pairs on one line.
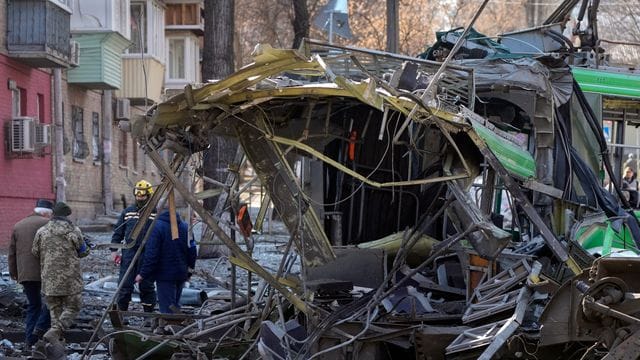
{"points": [[167, 261], [122, 234]]}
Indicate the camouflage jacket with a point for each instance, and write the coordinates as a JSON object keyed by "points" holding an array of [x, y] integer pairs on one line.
{"points": [[59, 245]]}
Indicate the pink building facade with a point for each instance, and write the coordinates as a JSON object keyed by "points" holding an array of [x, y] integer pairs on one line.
{"points": [[24, 177]]}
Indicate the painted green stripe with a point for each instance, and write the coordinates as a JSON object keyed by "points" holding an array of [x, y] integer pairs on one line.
{"points": [[516, 160], [607, 82]]}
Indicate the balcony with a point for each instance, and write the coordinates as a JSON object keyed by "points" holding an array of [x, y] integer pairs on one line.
{"points": [[38, 33], [185, 16], [100, 63], [133, 80], [101, 16]]}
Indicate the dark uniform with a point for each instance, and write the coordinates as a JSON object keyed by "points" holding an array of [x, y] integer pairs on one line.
{"points": [[122, 234]]}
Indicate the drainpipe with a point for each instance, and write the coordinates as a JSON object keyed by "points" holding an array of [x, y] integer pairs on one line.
{"points": [[107, 118], [59, 143]]}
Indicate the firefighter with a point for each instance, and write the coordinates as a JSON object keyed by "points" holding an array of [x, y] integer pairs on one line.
{"points": [[122, 235]]}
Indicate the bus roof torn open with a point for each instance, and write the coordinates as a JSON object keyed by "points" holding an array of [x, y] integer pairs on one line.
{"points": [[471, 194]]}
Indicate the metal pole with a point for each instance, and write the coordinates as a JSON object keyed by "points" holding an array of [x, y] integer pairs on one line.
{"points": [[107, 116], [59, 136], [212, 223], [331, 27], [392, 26]]}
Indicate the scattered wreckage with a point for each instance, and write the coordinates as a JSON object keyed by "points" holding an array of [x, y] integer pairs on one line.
{"points": [[444, 211]]}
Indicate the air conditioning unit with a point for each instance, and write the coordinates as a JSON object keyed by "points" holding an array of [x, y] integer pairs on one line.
{"points": [[43, 135], [74, 53], [123, 111], [22, 134]]}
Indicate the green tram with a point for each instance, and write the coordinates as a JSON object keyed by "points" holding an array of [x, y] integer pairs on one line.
{"points": [[614, 96]]}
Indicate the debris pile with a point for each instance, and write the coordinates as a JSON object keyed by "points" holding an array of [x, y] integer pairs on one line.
{"points": [[434, 210], [449, 216]]}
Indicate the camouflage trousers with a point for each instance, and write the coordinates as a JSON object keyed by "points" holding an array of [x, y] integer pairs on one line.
{"points": [[64, 310]]}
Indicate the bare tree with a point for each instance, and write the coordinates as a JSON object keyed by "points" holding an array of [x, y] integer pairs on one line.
{"points": [[300, 22], [219, 20], [619, 31], [217, 62]]}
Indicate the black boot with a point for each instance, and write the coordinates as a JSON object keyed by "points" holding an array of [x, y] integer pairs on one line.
{"points": [[149, 322]]}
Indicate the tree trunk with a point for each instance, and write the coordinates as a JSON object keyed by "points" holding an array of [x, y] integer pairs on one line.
{"points": [[392, 26], [217, 63], [219, 27], [300, 22]]}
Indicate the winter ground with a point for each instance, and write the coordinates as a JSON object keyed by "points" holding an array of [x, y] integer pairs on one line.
{"points": [[100, 276]]}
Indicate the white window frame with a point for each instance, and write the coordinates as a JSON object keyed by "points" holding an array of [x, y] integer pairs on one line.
{"points": [[170, 58], [191, 54], [102, 15], [153, 37], [65, 5]]}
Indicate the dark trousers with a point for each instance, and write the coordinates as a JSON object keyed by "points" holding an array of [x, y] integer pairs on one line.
{"points": [[169, 293], [37, 316], [147, 290]]}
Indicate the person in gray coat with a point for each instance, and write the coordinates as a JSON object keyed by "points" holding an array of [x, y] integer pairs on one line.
{"points": [[25, 269]]}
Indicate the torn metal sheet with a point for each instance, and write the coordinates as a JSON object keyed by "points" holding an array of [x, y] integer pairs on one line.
{"points": [[293, 208], [475, 338], [492, 306], [501, 282]]}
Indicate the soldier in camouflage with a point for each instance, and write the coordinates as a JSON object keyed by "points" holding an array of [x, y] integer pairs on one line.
{"points": [[59, 245]]}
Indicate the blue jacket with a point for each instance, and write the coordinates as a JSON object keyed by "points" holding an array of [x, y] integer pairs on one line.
{"points": [[122, 232], [166, 259]]}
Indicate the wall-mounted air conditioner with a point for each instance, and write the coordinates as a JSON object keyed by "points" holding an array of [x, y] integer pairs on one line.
{"points": [[43, 135], [74, 53], [123, 111], [22, 134]]}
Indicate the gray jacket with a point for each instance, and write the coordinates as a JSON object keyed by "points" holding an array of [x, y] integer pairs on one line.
{"points": [[22, 264]]}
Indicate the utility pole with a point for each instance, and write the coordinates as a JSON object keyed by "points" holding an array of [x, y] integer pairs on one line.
{"points": [[107, 117], [59, 136], [393, 35]]}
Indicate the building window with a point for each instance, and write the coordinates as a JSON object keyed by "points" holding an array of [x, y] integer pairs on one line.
{"points": [[66, 147], [176, 58], [80, 146], [95, 136], [123, 149], [138, 28], [40, 106], [147, 28], [134, 153], [15, 102]]}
